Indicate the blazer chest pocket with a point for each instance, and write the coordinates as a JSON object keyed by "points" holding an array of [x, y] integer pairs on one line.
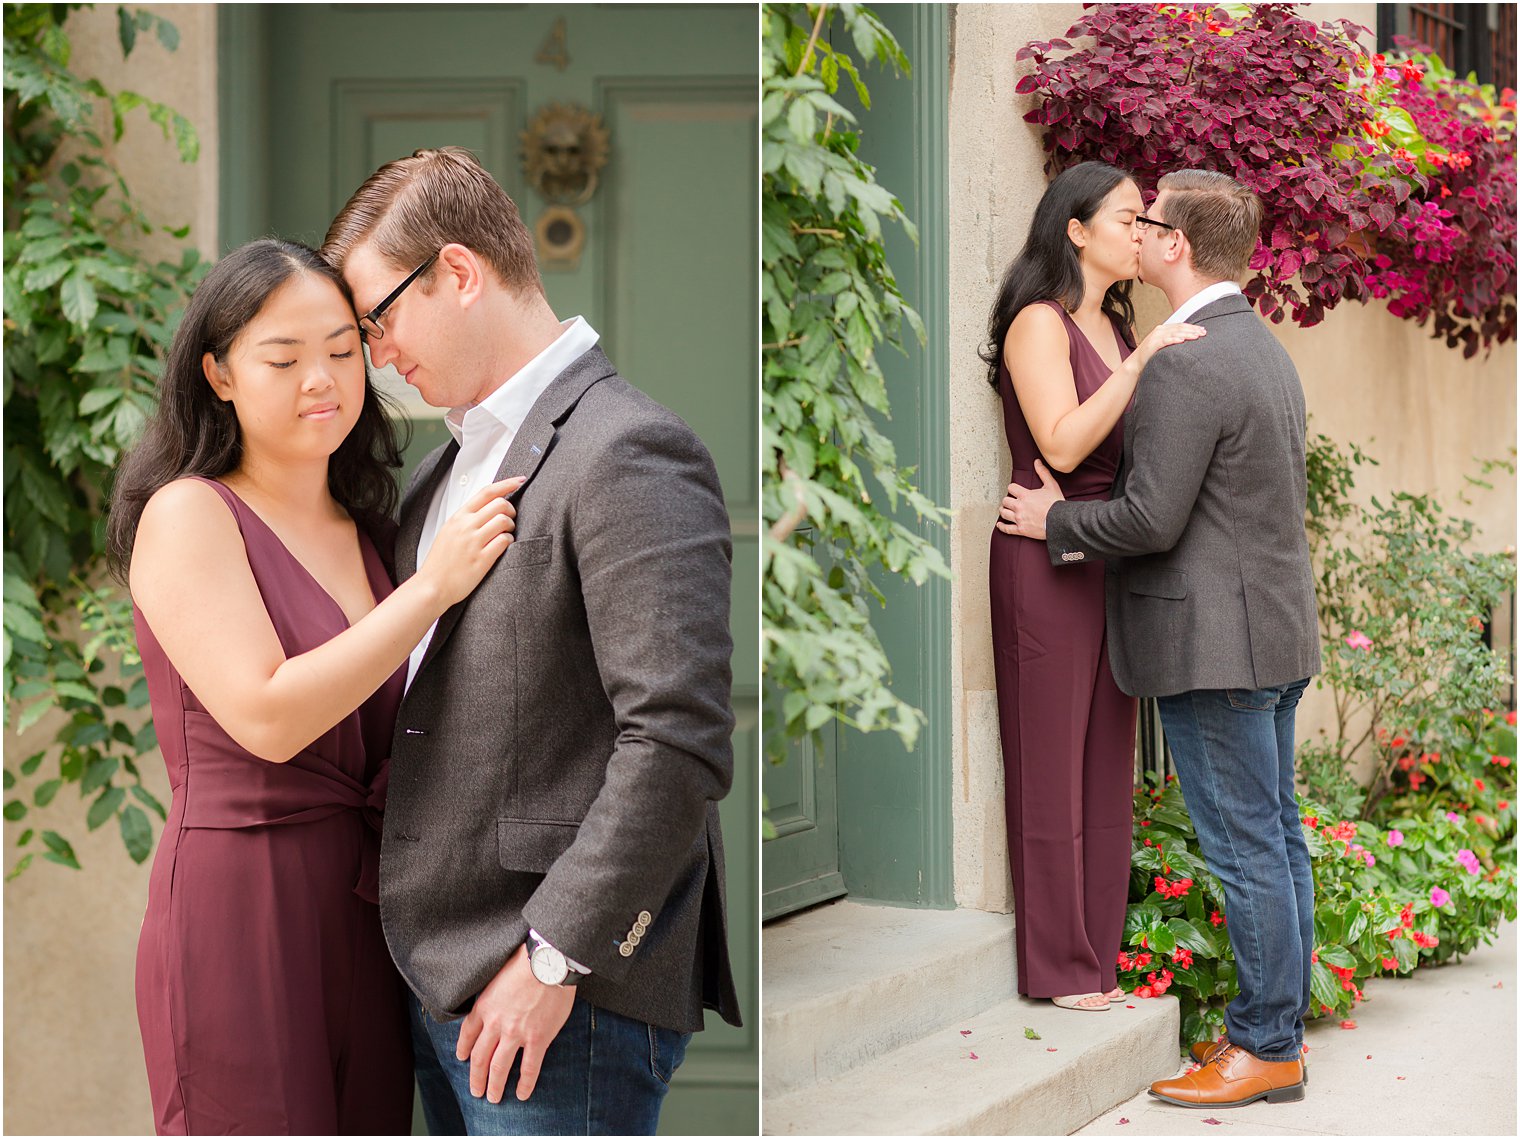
{"points": [[532, 845], [1158, 583], [528, 552]]}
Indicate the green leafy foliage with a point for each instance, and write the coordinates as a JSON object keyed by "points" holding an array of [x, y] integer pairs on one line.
{"points": [[87, 323], [830, 301], [1404, 597]]}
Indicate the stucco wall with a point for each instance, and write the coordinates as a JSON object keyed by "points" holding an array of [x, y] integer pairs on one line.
{"points": [[73, 1059], [1415, 405]]}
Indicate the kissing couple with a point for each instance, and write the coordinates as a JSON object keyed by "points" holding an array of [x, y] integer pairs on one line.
{"points": [[1151, 544]]}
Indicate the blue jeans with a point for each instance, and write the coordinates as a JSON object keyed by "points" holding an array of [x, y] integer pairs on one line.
{"points": [[604, 1074], [1233, 749]]}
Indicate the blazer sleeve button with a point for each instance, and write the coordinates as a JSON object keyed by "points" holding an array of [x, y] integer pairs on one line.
{"points": [[645, 917], [626, 949]]}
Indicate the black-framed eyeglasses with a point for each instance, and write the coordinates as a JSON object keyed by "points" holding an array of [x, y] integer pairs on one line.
{"points": [[1145, 223], [369, 324]]}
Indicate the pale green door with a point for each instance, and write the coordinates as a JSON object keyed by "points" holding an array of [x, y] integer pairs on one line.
{"points": [[316, 96], [800, 862]]}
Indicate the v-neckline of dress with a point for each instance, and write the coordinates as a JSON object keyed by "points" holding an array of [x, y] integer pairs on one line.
{"points": [[1093, 348], [367, 554]]}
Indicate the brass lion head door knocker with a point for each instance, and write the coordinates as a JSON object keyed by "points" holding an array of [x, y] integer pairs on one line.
{"points": [[563, 150]]}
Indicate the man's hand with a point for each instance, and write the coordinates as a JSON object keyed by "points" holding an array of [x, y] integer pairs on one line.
{"points": [[514, 1011], [1024, 508]]}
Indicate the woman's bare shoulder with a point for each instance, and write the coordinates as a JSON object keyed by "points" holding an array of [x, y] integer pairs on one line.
{"points": [[1037, 328], [186, 516], [1038, 322]]}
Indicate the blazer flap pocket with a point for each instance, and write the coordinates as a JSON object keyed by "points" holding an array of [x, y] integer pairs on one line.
{"points": [[1153, 582], [532, 845], [529, 552]]}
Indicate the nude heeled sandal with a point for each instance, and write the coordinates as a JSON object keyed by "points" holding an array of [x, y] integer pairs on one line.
{"points": [[1071, 1002]]}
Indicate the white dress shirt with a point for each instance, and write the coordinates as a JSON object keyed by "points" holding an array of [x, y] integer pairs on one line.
{"points": [[484, 431], [1205, 296]]}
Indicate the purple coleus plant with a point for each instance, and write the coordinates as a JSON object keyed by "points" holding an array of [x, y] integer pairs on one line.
{"points": [[1356, 198]]}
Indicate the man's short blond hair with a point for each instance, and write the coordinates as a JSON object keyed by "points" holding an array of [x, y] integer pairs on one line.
{"points": [[1219, 216], [412, 207]]}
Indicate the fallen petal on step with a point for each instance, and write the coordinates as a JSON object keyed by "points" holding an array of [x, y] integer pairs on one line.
{"points": [[965, 1032], [974, 1056], [1212, 1122], [1348, 1024]]}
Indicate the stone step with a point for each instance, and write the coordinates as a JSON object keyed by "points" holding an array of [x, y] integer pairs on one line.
{"points": [[1082, 1065], [846, 983]]}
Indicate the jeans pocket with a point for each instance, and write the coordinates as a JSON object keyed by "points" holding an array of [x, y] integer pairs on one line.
{"points": [[667, 1048], [1253, 699]]}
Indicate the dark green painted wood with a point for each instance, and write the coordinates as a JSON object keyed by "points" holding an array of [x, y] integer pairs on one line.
{"points": [[800, 865], [314, 97], [894, 805]]}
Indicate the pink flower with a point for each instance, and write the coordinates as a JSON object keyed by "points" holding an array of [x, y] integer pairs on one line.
{"points": [[1359, 640], [1371, 861], [1468, 859], [1453, 817], [1395, 837], [1439, 897]]}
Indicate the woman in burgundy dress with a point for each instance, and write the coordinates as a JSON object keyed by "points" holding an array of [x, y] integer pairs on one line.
{"points": [[1062, 357], [254, 519]]}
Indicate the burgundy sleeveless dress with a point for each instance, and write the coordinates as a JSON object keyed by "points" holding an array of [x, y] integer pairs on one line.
{"points": [[266, 997], [1068, 733]]}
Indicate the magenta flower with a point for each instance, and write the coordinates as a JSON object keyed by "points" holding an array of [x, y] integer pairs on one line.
{"points": [[1359, 640], [1395, 837], [1438, 897], [1468, 859], [1453, 817], [1371, 861]]}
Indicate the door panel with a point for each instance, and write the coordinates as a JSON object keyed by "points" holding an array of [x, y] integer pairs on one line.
{"points": [[320, 95]]}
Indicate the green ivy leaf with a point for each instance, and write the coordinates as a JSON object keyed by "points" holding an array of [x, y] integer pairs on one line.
{"points": [[143, 796], [136, 834], [79, 299], [98, 774], [104, 807], [126, 31], [46, 792], [20, 868]]}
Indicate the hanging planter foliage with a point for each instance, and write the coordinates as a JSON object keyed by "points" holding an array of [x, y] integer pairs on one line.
{"points": [[1380, 177]]}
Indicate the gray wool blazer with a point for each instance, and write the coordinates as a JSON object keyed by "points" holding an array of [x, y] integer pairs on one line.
{"points": [[1208, 576], [558, 758]]}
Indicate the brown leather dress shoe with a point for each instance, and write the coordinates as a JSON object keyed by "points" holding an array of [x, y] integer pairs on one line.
{"points": [[1201, 1051], [1233, 1078]]}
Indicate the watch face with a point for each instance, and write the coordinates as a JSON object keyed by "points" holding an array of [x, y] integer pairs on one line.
{"points": [[548, 965]]}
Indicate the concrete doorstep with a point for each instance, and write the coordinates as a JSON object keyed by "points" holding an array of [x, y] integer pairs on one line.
{"points": [[890, 1021], [1432, 1054], [985, 1076]]}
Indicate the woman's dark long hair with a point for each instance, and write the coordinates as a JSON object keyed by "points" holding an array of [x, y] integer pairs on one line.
{"points": [[1048, 267], [194, 432]]}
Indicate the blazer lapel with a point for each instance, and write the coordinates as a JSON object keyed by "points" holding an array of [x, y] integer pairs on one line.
{"points": [[414, 510], [525, 455]]}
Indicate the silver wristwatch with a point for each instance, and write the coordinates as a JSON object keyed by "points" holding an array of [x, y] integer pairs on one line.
{"points": [[548, 964]]}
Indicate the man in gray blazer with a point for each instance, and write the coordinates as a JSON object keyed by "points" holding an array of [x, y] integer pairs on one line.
{"points": [[1211, 610], [551, 878]]}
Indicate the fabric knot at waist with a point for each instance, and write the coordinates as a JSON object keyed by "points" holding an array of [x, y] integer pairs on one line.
{"points": [[239, 791]]}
